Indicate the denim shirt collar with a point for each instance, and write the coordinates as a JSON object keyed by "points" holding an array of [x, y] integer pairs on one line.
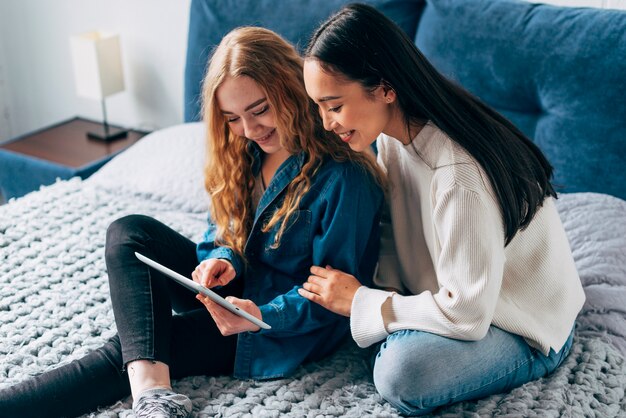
{"points": [[285, 173]]}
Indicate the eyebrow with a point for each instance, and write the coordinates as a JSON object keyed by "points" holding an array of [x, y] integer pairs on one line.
{"points": [[327, 98], [250, 106]]}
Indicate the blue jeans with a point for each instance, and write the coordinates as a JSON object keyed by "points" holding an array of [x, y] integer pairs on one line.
{"points": [[417, 371]]}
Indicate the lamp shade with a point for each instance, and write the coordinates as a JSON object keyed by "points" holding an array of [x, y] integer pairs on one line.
{"points": [[97, 64]]}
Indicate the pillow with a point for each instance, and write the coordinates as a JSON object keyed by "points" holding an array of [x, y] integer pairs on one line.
{"points": [[210, 20], [166, 166], [558, 73]]}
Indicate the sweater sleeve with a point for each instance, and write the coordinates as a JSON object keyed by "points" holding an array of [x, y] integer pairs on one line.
{"points": [[469, 267], [367, 324]]}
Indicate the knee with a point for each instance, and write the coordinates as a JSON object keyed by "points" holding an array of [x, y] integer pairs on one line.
{"points": [[125, 230], [402, 375], [390, 376], [388, 385]]}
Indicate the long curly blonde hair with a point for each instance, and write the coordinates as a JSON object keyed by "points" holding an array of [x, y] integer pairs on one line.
{"points": [[276, 67]]}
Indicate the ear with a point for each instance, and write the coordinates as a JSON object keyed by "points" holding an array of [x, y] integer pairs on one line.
{"points": [[386, 94], [390, 95]]}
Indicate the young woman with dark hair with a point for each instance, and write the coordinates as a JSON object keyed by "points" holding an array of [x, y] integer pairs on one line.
{"points": [[481, 290]]}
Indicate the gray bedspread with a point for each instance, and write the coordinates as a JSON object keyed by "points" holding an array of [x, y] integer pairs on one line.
{"points": [[54, 296], [596, 228]]}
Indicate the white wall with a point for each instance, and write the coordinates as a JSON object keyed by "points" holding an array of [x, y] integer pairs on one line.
{"points": [[36, 74], [36, 80], [5, 119]]}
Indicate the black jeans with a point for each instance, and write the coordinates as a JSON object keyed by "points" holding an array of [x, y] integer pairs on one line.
{"points": [[143, 299]]}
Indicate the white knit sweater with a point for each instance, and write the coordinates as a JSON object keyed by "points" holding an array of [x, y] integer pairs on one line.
{"points": [[449, 257]]}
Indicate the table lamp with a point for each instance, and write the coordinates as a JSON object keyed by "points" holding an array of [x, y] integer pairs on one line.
{"points": [[98, 74]]}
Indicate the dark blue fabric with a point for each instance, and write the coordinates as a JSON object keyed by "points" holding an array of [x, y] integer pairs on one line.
{"points": [[21, 174], [337, 225], [558, 73], [210, 20]]}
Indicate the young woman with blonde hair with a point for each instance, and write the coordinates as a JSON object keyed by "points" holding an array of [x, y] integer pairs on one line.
{"points": [[284, 195]]}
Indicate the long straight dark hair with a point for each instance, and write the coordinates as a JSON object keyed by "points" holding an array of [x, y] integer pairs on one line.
{"points": [[361, 44]]}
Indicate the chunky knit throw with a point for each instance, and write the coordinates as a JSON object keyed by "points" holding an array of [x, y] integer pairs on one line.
{"points": [[54, 298]]}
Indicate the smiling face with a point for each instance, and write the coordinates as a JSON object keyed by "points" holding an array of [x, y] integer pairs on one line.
{"points": [[247, 111], [357, 115]]}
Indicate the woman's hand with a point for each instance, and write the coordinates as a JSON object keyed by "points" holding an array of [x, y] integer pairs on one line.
{"points": [[227, 322], [331, 288], [214, 272]]}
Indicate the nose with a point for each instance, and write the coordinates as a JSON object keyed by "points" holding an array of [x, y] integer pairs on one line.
{"points": [[327, 120], [250, 127]]}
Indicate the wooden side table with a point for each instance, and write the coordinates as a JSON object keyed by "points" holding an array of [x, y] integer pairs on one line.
{"points": [[59, 151]]}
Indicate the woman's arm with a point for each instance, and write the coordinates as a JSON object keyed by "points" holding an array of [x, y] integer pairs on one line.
{"points": [[469, 263], [348, 238], [335, 289], [469, 271]]}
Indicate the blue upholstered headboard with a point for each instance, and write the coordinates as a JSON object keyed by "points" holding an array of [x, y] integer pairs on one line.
{"points": [[558, 73], [295, 20]]}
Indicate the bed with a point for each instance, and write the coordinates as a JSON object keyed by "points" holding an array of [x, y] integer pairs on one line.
{"points": [[54, 301]]}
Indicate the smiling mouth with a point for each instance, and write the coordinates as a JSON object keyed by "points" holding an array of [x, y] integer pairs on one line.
{"points": [[345, 136], [266, 137]]}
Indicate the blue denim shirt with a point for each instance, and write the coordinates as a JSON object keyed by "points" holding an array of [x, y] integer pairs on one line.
{"points": [[337, 224]]}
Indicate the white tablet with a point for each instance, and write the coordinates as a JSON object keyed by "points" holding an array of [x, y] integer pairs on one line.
{"points": [[193, 286]]}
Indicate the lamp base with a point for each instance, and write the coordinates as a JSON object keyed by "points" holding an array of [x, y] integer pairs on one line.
{"points": [[107, 134]]}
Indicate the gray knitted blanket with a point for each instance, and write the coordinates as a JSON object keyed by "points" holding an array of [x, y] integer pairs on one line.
{"points": [[54, 301]]}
